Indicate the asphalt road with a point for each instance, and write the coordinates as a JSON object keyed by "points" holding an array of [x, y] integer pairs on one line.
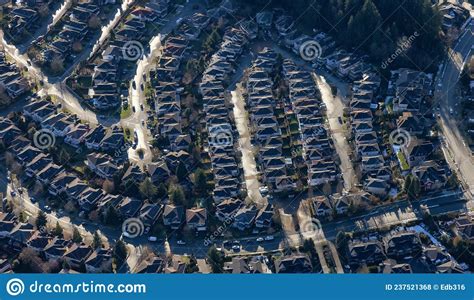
{"points": [[335, 112], [458, 154]]}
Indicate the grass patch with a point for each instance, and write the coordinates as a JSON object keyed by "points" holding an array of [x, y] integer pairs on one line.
{"points": [[125, 112], [403, 162]]}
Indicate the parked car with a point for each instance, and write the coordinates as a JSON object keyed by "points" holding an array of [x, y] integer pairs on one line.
{"points": [[152, 238], [269, 238], [181, 242]]}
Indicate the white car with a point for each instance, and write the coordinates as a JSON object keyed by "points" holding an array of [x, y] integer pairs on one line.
{"points": [[180, 242], [152, 238], [269, 238], [260, 239]]}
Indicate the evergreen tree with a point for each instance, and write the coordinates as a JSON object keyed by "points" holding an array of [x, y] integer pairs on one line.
{"points": [[181, 171], [215, 259], [76, 235], [97, 240], [120, 251], [177, 196], [111, 216], [148, 189], [41, 219], [200, 182], [58, 230]]}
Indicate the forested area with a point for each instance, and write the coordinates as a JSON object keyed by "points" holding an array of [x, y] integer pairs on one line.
{"points": [[373, 26]]}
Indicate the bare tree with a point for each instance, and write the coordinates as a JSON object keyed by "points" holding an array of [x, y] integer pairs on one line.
{"points": [[77, 47], [57, 64], [94, 22]]}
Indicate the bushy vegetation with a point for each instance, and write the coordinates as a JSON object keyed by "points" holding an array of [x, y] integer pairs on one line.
{"points": [[376, 27]]}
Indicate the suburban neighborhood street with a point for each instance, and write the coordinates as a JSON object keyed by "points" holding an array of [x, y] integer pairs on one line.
{"points": [[458, 153]]}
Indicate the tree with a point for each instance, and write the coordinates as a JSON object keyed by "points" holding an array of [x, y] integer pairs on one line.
{"points": [[211, 42], [64, 156], [192, 266], [77, 47], [327, 188], [94, 22], [342, 240], [120, 251], [41, 219], [412, 186], [43, 10], [177, 196], [200, 182], [57, 64], [97, 240], [108, 186], [148, 189], [76, 235], [111, 216], [215, 259], [162, 191], [29, 261], [181, 171], [58, 230], [5, 99]]}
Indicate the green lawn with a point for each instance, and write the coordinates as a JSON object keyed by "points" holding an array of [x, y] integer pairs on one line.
{"points": [[403, 162]]}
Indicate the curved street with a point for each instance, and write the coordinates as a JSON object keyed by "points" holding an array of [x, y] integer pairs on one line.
{"points": [[457, 152]]}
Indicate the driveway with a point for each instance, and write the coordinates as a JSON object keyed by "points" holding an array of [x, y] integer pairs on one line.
{"points": [[249, 165], [335, 112]]}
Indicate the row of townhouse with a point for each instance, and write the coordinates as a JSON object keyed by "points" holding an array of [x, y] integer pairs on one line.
{"points": [[69, 128], [367, 144], [400, 251], [11, 81], [219, 126], [126, 45], [336, 204], [23, 19], [266, 129], [347, 65], [77, 257], [410, 91], [318, 151], [235, 213], [75, 27], [166, 75], [60, 182], [342, 63], [18, 235]]}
